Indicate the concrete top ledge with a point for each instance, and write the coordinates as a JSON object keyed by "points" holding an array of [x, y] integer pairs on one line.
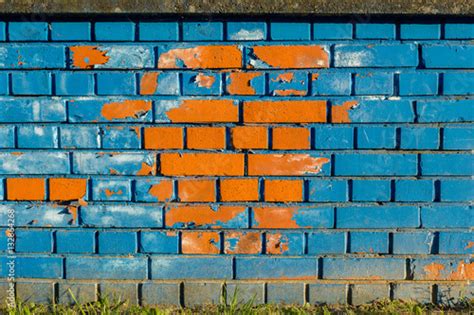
{"points": [[240, 7]]}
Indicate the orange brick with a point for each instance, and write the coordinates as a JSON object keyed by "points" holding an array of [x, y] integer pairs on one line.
{"points": [[276, 243], [67, 188], [242, 243], [200, 243], [284, 164], [275, 217], [239, 189], [287, 138], [248, 137], [204, 111], [219, 164], [206, 137], [283, 190], [206, 216], [284, 111], [163, 138], [239, 83], [292, 56], [202, 57], [191, 190], [26, 189]]}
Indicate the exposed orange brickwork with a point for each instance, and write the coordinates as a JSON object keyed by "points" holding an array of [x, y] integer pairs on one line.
{"points": [[240, 83], [242, 243], [284, 111], [286, 138], [284, 164], [67, 188], [163, 138], [276, 244], [190, 190], [206, 57], [200, 243], [275, 217], [283, 190], [86, 57], [239, 189], [26, 189], [125, 109], [183, 215], [220, 164], [293, 56], [206, 137], [204, 111], [249, 137]]}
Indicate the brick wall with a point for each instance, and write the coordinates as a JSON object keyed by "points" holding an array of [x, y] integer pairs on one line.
{"points": [[292, 161]]}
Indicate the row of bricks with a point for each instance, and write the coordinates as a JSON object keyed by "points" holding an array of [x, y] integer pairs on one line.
{"points": [[238, 242], [232, 111], [239, 268], [237, 83], [443, 55], [236, 164], [205, 293], [241, 189], [234, 31], [322, 137], [385, 216]]}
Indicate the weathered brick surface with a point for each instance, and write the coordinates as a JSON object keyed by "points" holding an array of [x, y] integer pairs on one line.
{"points": [[296, 161]]}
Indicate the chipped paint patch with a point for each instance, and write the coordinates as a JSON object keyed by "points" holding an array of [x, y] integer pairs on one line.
{"points": [[285, 164], [240, 83], [163, 191], [149, 83], [87, 57], [275, 218], [204, 80], [206, 57], [200, 216], [292, 56], [242, 243], [340, 113], [277, 244], [125, 109], [146, 169]]}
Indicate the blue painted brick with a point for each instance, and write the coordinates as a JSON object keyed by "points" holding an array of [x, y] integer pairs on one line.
{"points": [[377, 217], [88, 139], [133, 268], [447, 164], [369, 242], [41, 267], [332, 293], [75, 241], [177, 267], [328, 190], [117, 164], [370, 190], [447, 216], [3, 34], [309, 217], [419, 138], [370, 111], [246, 30], [445, 110], [284, 243], [364, 268], [113, 242], [7, 137], [376, 55], [456, 243], [457, 190], [459, 30], [34, 163], [33, 56], [154, 190], [376, 137], [285, 293], [333, 137], [332, 30], [275, 268], [446, 268], [256, 82], [418, 83], [414, 190], [288, 83], [71, 31], [202, 31], [120, 216], [2, 195], [448, 56], [331, 83], [322, 243], [33, 241], [290, 31], [116, 83], [374, 83], [38, 215], [28, 31], [167, 83], [4, 83], [202, 83], [121, 137], [458, 83], [114, 31], [37, 136], [420, 31], [158, 31], [406, 243], [74, 83], [111, 190], [158, 242], [161, 294], [91, 111], [31, 83], [355, 164], [375, 31]]}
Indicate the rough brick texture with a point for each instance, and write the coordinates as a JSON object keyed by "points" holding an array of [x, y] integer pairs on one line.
{"points": [[295, 160]]}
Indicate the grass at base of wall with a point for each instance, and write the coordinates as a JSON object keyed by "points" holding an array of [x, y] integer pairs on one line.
{"points": [[106, 306]]}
